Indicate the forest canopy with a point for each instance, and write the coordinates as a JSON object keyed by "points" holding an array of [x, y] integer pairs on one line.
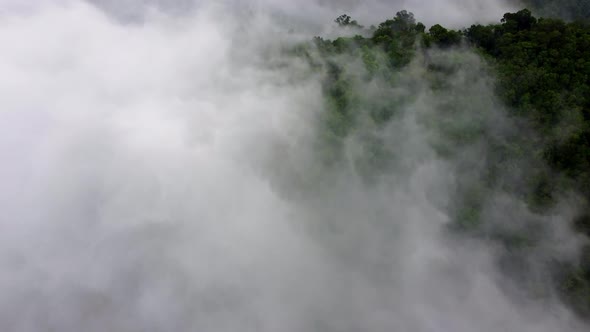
{"points": [[541, 73]]}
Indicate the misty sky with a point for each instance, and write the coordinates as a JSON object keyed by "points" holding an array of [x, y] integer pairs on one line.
{"points": [[453, 13]]}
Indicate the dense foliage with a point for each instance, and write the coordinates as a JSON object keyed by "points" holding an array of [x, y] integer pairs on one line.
{"points": [[544, 76], [541, 68]]}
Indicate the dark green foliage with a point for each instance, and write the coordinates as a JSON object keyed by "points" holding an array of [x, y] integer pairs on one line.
{"points": [[345, 20], [402, 22], [543, 77], [397, 37], [582, 225], [443, 37], [391, 46], [519, 21], [483, 36]]}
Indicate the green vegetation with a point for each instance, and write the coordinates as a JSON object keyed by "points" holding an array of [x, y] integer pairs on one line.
{"points": [[541, 71], [544, 77]]}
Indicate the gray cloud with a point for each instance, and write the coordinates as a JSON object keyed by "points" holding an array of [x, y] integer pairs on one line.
{"points": [[154, 180], [453, 13]]}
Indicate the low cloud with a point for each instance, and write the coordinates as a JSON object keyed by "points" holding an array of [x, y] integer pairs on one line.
{"points": [[154, 178]]}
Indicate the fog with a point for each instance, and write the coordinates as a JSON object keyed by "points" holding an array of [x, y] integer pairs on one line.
{"points": [[159, 173], [316, 13]]}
